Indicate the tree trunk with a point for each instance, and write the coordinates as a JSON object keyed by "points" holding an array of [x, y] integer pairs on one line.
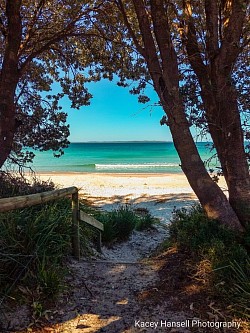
{"points": [[220, 99], [234, 156], [211, 197], [225, 129], [9, 78], [165, 76], [7, 128]]}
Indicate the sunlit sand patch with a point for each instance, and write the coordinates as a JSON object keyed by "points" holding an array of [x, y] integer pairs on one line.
{"points": [[90, 320]]}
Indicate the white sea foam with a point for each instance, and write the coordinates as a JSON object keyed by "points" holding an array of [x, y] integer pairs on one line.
{"points": [[135, 166]]}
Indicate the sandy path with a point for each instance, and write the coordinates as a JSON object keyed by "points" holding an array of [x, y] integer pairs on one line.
{"points": [[105, 293], [113, 305], [123, 273]]}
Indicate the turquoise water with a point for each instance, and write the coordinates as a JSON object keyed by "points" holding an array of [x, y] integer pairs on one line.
{"points": [[115, 157]]}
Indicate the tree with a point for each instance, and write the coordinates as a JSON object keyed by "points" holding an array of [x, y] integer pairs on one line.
{"points": [[205, 39], [224, 38], [39, 49]]}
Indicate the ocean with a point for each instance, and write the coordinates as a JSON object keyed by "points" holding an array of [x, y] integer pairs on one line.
{"points": [[116, 157]]}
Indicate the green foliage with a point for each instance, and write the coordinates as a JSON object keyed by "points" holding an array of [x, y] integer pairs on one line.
{"points": [[51, 49], [33, 243], [145, 222], [50, 277], [206, 239], [119, 224], [194, 231], [240, 290]]}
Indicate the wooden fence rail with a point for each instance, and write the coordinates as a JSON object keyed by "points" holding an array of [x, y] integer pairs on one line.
{"points": [[7, 204]]}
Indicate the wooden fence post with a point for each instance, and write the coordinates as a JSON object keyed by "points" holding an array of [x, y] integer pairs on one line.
{"points": [[75, 226]]}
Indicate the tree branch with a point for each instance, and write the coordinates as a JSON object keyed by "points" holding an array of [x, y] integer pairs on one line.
{"points": [[163, 37], [120, 6], [230, 47], [192, 46], [150, 53], [30, 27], [211, 9]]}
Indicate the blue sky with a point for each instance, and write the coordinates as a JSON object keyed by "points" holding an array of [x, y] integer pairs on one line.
{"points": [[116, 115]]}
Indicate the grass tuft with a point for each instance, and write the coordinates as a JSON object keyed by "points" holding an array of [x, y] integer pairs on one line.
{"points": [[120, 223]]}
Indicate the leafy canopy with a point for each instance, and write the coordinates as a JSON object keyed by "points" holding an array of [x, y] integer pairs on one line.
{"points": [[53, 59]]}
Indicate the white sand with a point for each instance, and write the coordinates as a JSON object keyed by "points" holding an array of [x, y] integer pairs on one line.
{"points": [[107, 185], [159, 193]]}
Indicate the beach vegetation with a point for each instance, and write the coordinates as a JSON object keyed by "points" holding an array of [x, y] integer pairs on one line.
{"points": [[15, 184], [35, 243], [120, 223], [145, 222], [217, 252]]}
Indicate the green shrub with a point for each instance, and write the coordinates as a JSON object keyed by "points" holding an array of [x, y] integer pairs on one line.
{"points": [[109, 234], [204, 238], [118, 224], [194, 231], [50, 278], [145, 222], [33, 235]]}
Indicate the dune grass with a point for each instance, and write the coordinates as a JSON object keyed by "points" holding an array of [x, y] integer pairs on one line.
{"points": [[34, 243], [120, 223], [224, 252]]}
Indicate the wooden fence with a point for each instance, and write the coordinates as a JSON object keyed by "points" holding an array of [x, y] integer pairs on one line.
{"points": [[7, 204]]}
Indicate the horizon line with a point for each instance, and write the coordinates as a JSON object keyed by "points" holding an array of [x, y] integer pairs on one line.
{"points": [[131, 141]]}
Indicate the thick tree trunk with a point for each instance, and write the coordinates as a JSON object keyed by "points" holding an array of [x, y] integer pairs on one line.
{"points": [[211, 197], [234, 156], [220, 99], [225, 129], [9, 78], [164, 73]]}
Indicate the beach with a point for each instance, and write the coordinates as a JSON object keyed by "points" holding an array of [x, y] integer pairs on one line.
{"points": [[108, 174], [123, 184], [159, 193], [132, 186], [108, 289]]}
